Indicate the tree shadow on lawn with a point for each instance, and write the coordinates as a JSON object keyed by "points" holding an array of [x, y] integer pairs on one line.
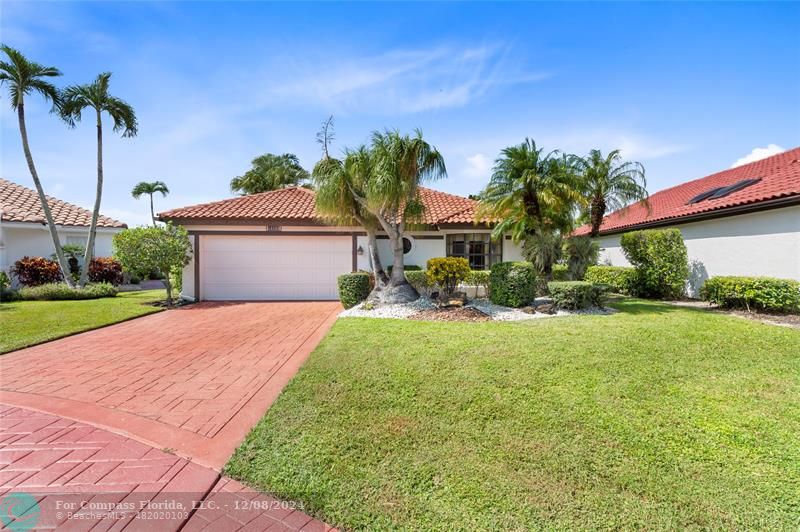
{"points": [[644, 306]]}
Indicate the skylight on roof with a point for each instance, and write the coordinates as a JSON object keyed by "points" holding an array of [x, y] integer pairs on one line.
{"points": [[721, 192]]}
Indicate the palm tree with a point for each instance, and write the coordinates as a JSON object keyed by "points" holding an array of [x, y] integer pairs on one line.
{"points": [[532, 194], [338, 184], [150, 188], [400, 163], [270, 172], [608, 183], [26, 77], [95, 95]]}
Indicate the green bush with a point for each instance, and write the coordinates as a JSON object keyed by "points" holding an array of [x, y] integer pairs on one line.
{"points": [[5, 282], [406, 267], [513, 284], [176, 278], [581, 252], [6, 293], [561, 272], [353, 288], [447, 272], [619, 278], [574, 295], [60, 291], [760, 293], [479, 279], [661, 262]]}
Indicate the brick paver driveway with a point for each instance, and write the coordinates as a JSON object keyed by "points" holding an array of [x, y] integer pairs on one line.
{"points": [[193, 380]]}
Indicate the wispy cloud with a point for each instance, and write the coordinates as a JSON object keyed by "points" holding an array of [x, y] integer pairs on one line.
{"points": [[402, 81], [477, 166], [759, 153]]}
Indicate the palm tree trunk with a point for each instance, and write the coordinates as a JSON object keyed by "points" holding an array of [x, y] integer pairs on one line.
{"points": [[87, 257], [152, 212], [48, 215], [375, 260], [398, 289], [598, 210]]}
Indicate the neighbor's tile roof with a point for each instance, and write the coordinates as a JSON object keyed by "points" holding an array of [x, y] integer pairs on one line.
{"points": [[297, 203], [780, 178], [21, 204]]}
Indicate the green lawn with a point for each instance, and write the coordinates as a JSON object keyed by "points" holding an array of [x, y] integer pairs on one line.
{"points": [[26, 323], [657, 417]]}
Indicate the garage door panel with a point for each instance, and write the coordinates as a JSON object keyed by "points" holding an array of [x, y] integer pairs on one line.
{"points": [[273, 267]]}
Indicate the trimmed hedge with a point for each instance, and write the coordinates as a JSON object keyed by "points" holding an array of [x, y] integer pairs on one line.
{"points": [[561, 272], [353, 288], [574, 295], [35, 271], [761, 293], [513, 284], [661, 262], [619, 278], [447, 272], [406, 267], [60, 292]]}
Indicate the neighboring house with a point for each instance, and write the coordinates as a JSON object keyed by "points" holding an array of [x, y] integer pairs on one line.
{"points": [[24, 232], [741, 221], [274, 246]]}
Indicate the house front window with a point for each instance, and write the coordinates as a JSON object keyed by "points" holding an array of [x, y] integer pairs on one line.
{"points": [[477, 248]]}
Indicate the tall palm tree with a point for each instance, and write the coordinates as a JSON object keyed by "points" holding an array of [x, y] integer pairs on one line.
{"points": [[608, 183], [401, 163], [338, 184], [532, 194], [27, 77], [150, 188], [95, 95]]}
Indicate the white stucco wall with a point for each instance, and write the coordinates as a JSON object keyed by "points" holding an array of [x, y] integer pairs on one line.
{"points": [[759, 244], [18, 240]]}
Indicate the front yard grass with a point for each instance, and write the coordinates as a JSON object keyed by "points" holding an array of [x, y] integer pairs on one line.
{"points": [[26, 323], [657, 417]]}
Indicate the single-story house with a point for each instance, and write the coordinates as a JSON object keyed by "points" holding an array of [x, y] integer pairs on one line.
{"points": [[274, 245], [24, 232], [741, 221]]}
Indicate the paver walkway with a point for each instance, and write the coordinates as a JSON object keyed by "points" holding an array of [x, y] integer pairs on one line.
{"points": [[194, 379], [59, 473]]}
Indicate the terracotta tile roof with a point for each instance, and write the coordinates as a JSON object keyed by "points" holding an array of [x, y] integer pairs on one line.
{"points": [[779, 178], [21, 204], [297, 204]]}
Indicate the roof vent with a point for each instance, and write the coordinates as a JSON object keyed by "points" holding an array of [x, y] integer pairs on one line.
{"points": [[721, 192]]}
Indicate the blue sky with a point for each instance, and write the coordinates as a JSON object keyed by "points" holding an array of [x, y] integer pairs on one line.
{"points": [[687, 89]]}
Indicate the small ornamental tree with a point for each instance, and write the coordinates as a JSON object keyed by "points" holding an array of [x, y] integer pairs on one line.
{"points": [[144, 249], [661, 262], [447, 273]]}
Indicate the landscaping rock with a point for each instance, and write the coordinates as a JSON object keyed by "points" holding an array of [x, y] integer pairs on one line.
{"points": [[458, 299], [546, 308], [528, 310]]}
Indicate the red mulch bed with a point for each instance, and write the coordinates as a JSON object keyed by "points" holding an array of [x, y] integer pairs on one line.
{"points": [[451, 314]]}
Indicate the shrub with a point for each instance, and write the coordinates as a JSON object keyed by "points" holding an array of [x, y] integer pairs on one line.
{"points": [[661, 262], [143, 250], [561, 272], [35, 271], [581, 252], [513, 284], [353, 288], [574, 295], [618, 278], [407, 267], [479, 279], [60, 291], [761, 293], [447, 272], [5, 282], [419, 280], [176, 278], [6, 293], [105, 270]]}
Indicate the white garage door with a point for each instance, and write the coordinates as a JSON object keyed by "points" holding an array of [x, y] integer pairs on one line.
{"points": [[272, 267]]}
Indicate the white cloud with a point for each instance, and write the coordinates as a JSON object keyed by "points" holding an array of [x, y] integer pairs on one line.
{"points": [[758, 154], [478, 167], [399, 81]]}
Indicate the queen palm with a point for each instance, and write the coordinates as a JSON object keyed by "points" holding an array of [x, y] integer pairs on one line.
{"points": [[608, 183], [25, 77], [150, 188], [95, 95]]}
